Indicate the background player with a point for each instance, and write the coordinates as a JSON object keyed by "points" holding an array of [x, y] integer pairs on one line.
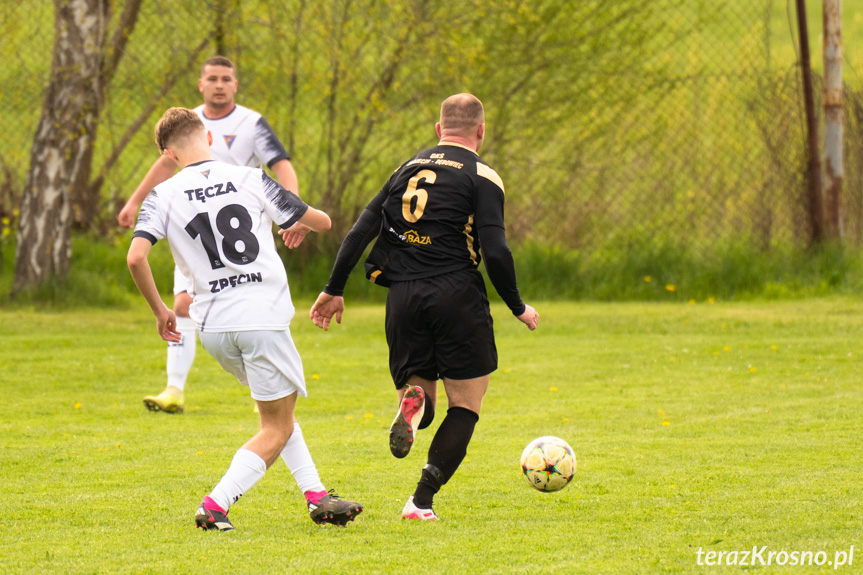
{"points": [[432, 221], [241, 137], [242, 304]]}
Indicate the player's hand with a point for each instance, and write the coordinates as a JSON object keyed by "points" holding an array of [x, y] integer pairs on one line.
{"points": [[324, 308], [127, 216], [294, 235], [530, 317], [166, 323]]}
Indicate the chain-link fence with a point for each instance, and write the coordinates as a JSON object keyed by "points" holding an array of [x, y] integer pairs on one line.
{"points": [[614, 125]]}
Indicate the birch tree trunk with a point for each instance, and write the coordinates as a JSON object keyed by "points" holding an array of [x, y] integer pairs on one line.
{"points": [[82, 66]]}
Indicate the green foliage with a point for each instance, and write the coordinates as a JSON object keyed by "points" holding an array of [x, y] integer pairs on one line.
{"points": [[631, 136], [591, 108], [98, 275], [714, 427], [660, 271], [670, 271]]}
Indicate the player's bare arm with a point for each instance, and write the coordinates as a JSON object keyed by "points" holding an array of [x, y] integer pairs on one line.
{"points": [[313, 220], [162, 169], [316, 220], [139, 266], [287, 178]]}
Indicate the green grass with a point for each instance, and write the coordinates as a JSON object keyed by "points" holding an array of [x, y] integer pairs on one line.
{"points": [[718, 426]]}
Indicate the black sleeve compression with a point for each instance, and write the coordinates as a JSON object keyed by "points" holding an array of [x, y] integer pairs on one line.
{"points": [[500, 266], [367, 228]]}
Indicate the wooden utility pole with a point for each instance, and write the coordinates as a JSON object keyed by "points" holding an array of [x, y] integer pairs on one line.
{"points": [[834, 172], [813, 172]]}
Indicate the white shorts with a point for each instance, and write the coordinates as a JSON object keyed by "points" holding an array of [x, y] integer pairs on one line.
{"points": [[267, 361], [181, 282]]}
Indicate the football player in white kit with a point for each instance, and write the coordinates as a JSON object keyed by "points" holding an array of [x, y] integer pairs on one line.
{"points": [[218, 221], [241, 137]]}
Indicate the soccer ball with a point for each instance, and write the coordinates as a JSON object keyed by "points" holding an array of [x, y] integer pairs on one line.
{"points": [[548, 463]]}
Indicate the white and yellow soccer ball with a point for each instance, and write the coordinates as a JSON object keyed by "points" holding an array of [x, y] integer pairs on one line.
{"points": [[548, 463]]}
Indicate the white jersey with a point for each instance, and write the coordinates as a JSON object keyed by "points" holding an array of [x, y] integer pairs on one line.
{"points": [[243, 138], [218, 220]]}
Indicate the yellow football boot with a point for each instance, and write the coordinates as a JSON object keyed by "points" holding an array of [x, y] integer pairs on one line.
{"points": [[169, 401]]}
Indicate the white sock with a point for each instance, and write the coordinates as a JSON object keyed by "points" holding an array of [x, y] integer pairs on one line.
{"points": [[296, 455], [182, 354], [246, 469]]}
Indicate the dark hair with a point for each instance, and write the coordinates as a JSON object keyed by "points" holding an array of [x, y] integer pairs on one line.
{"points": [[218, 61]]}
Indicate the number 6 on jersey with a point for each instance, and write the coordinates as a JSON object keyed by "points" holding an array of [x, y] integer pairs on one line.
{"points": [[413, 212]]}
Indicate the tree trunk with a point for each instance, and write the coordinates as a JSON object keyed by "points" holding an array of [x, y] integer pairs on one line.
{"points": [[61, 142], [58, 190]]}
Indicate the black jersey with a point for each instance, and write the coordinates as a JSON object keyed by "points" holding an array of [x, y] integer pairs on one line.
{"points": [[430, 218], [431, 209]]}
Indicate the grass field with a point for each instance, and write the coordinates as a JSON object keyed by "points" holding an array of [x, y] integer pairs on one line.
{"points": [[710, 426]]}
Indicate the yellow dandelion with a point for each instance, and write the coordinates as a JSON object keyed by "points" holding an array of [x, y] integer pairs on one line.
{"points": [[77, 405], [673, 486], [659, 411], [118, 445], [552, 388], [200, 453], [670, 287], [692, 302], [753, 368], [711, 300], [5, 221], [315, 376], [507, 370], [565, 419], [726, 348], [368, 415], [349, 417], [773, 347], [363, 422], [666, 423], [648, 279]]}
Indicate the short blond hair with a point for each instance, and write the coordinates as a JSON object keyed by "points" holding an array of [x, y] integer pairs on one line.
{"points": [[462, 113], [175, 124]]}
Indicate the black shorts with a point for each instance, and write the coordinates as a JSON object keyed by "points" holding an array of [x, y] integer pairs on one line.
{"points": [[440, 327]]}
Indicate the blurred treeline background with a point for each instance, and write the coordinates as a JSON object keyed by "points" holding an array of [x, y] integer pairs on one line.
{"points": [[650, 150]]}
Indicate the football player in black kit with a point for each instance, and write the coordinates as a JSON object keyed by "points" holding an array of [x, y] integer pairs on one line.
{"points": [[438, 215]]}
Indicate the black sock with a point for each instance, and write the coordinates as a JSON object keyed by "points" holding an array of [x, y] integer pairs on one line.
{"points": [[428, 415], [447, 451]]}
